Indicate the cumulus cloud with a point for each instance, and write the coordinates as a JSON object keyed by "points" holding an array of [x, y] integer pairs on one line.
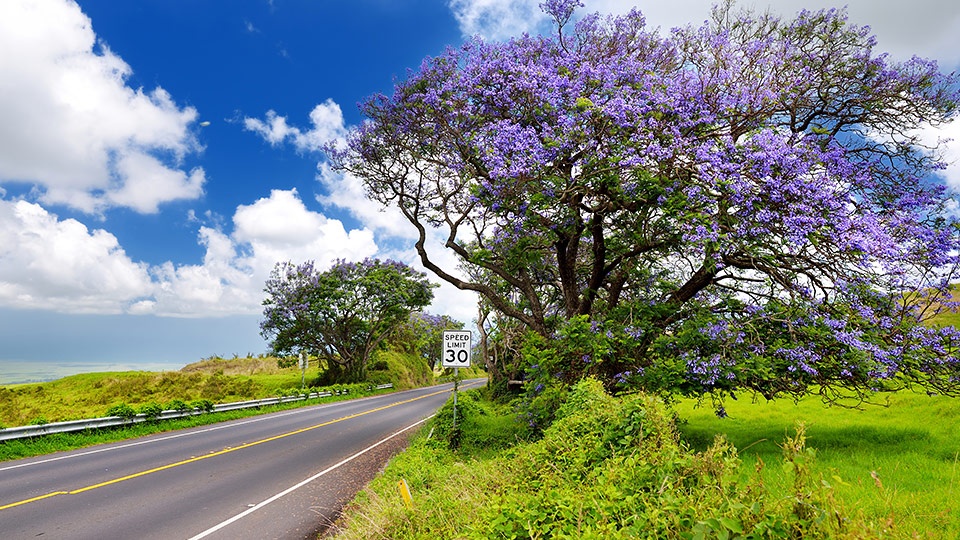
{"points": [[497, 19], [281, 227], [74, 128], [60, 265], [235, 266], [327, 127], [946, 139]]}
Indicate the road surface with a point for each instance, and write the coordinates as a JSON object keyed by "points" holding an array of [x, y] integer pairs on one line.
{"points": [[281, 475]]}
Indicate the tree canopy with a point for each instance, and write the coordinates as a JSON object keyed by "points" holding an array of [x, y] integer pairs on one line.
{"points": [[343, 314], [741, 205], [422, 335]]}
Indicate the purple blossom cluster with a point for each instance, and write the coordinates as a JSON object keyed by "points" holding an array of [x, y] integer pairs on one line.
{"points": [[740, 195]]}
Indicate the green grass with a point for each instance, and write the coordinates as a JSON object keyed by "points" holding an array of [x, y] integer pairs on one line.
{"points": [[219, 380], [89, 395], [899, 462], [608, 468]]}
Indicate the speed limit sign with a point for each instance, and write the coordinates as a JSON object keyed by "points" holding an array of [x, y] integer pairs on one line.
{"points": [[456, 348]]}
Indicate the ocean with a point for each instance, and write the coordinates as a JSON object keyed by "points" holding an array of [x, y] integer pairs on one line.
{"points": [[18, 371]]}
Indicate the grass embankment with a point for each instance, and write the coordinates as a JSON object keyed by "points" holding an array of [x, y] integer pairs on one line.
{"points": [[617, 468], [218, 380]]}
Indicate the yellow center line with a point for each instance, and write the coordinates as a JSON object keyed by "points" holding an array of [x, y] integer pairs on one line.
{"points": [[214, 454]]}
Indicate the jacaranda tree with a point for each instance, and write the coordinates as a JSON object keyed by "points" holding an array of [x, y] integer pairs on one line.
{"points": [[742, 205], [341, 315]]}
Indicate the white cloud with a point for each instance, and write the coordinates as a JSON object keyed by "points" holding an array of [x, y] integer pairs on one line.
{"points": [[326, 119], [149, 182], [947, 137], [952, 154], [281, 227], [60, 265], [235, 267], [497, 19], [46, 263], [73, 128]]}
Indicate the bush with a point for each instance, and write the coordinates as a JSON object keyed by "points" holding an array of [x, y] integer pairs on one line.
{"points": [[178, 405], [618, 470], [122, 410], [151, 410], [203, 405]]}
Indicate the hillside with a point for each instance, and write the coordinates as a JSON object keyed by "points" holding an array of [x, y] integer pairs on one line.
{"points": [[219, 380]]}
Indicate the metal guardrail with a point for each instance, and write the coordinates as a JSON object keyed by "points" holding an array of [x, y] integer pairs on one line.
{"points": [[23, 432]]}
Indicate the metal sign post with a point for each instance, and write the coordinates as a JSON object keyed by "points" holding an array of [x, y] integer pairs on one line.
{"points": [[457, 350], [303, 369]]}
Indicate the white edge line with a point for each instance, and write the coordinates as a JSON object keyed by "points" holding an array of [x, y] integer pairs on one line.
{"points": [[260, 505]]}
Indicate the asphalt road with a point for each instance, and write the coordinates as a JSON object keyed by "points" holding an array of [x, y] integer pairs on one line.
{"points": [[281, 475]]}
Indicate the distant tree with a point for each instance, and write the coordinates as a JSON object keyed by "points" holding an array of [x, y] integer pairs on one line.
{"points": [[341, 315], [422, 335], [743, 205]]}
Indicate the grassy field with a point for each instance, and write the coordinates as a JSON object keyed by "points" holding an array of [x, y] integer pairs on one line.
{"points": [[883, 472], [899, 462]]}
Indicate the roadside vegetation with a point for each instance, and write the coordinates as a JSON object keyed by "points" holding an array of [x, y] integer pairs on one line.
{"points": [[92, 395], [59, 442], [622, 467]]}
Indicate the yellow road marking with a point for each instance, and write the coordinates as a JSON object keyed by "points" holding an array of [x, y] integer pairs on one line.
{"points": [[41, 497], [213, 454]]}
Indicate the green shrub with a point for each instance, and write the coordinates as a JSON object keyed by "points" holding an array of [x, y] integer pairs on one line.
{"points": [[122, 410], [203, 405], [178, 405], [151, 410], [467, 411], [39, 421]]}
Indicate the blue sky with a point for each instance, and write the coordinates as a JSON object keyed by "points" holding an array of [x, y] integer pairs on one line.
{"points": [[157, 157]]}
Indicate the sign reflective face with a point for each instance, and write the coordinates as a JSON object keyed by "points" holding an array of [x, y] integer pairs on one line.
{"points": [[457, 348]]}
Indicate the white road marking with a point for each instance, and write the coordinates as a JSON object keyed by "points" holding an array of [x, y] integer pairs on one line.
{"points": [[295, 487]]}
